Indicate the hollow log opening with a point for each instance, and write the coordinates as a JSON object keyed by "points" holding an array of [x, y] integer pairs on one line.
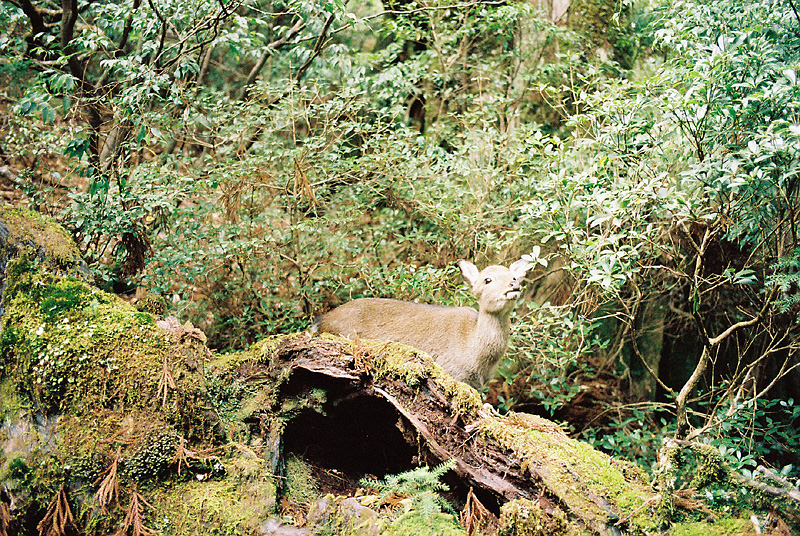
{"points": [[356, 435]]}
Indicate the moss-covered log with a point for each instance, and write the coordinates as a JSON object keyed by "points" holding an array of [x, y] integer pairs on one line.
{"points": [[393, 398]]}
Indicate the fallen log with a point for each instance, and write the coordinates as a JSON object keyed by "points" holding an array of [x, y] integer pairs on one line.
{"points": [[503, 458]]}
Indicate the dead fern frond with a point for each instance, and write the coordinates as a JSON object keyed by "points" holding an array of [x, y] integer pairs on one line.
{"points": [[5, 519], [183, 455], [134, 521], [476, 518], [165, 383], [302, 186], [108, 492], [58, 520]]}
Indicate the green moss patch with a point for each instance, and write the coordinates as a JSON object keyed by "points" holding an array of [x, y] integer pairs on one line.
{"points": [[573, 471], [526, 518], [234, 505], [53, 246], [721, 527]]}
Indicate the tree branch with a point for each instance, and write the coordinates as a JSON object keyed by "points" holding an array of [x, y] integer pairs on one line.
{"points": [[796, 15], [34, 15], [254, 72], [163, 32], [128, 25], [318, 46]]}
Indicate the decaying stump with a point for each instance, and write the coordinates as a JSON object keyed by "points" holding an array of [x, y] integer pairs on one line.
{"points": [[379, 406]]}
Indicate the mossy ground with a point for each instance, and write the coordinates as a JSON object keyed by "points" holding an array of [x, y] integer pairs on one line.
{"points": [[722, 527]]}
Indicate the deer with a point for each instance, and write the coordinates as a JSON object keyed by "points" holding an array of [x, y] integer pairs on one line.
{"points": [[468, 344]]}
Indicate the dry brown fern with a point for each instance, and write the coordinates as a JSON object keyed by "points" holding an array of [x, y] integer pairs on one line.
{"points": [[108, 491], [165, 383], [134, 521], [183, 455], [476, 518], [5, 519], [58, 520]]}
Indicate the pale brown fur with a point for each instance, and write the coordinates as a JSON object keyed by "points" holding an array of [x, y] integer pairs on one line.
{"points": [[467, 343]]}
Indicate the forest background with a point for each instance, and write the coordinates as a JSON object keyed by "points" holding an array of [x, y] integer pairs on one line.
{"points": [[256, 163]]}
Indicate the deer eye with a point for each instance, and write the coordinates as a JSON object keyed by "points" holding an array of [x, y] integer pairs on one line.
{"points": [[487, 280]]}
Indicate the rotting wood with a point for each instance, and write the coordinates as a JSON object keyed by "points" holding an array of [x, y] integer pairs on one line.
{"points": [[426, 405]]}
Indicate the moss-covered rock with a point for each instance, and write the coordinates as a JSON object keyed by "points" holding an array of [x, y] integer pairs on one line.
{"points": [[103, 405], [343, 516], [45, 240]]}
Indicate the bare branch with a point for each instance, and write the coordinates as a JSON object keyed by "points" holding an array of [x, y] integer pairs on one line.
{"points": [[744, 323]]}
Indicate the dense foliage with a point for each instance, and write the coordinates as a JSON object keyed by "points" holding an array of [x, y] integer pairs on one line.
{"points": [[258, 162]]}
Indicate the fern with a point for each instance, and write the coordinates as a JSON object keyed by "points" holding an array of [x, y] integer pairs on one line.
{"points": [[421, 485]]}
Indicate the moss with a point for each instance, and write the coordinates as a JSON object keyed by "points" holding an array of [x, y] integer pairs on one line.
{"points": [[341, 516], [11, 405], [414, 368], [84, 375], [525, 518], [52, 244], [230, 506], [400, 361], [573, 471], [711, 466], [152, 457], [69, 347], [301, 488], [154, 304], [417, 523], [721, 527]]}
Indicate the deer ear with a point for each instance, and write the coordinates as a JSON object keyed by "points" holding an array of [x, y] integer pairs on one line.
{"points": [[469, 271], [518, 268]]}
